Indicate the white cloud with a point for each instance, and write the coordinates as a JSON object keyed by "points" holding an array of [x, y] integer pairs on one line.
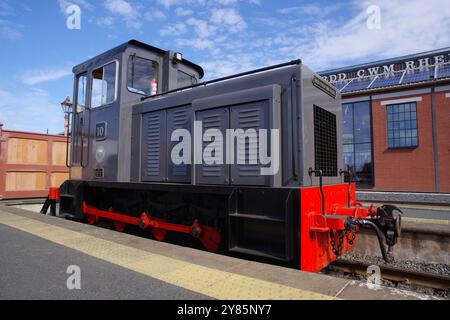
{"points": [[40, 76], [198, 43], [171, 3], [222, 21], [124, 9], [155, 14], [228, 18], [40, 92], [226, 2], [225, 65], [6, 9], [201, 27], [104, 21], [182, 12], [405, 28], [231, 2], [120, 7], [10, 30], [327, 42], [330, 41], [311, 10], [172, 30]]}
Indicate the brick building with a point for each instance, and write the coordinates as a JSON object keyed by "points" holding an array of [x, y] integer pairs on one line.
{"points": [[397, 122]]}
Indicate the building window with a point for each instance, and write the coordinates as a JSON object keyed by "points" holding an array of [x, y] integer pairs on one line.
{"points": [[358, 142], [141, 73], [402, 125], [104, 85]]}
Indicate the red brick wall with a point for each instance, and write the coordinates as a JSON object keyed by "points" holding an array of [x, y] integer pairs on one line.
{"points": [[443, 137], [404, 169]]}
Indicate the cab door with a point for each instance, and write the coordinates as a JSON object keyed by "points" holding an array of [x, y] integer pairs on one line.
{"points": [[102, 126], [79, 125]]}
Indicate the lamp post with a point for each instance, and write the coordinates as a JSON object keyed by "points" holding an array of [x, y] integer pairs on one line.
{"points": [[66, 107]]}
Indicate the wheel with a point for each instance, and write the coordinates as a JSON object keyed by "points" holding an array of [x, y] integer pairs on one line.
{"points": [[120, 226], [159, 234], [211, 238], [91, 219]]}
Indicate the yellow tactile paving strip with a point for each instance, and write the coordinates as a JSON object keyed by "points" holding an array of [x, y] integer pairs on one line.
{"points": [[207, 281]]}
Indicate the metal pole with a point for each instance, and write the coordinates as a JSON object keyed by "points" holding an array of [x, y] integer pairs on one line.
{"points": [[66, 124]]}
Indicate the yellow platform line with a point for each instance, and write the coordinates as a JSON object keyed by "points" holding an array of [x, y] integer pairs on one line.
{"points": [[207, 281]]}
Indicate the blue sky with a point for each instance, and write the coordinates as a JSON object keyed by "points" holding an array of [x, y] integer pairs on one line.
{"points": [[37, 51]]}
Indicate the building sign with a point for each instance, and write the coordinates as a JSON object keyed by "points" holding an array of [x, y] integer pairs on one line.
{"points": [[371, 71], [324, 86]]}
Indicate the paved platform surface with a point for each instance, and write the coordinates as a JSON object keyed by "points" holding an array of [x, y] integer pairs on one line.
{"points": [[36, 251], [404, 197], [37, 268]]}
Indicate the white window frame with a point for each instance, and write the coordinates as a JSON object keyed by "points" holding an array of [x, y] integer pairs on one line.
{"points": [[116, 87]]}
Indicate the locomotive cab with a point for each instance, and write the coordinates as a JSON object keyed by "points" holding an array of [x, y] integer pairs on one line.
{"points": [[105, 89]]}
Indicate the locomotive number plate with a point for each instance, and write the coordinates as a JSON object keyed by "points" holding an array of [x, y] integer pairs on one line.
{"points": [[100, 131]]}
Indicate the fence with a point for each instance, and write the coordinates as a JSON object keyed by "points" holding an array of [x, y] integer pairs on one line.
{"points": [[30, 164]]}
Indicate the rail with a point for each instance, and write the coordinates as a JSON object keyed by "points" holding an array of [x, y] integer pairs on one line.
{"points": [[418, 278]]}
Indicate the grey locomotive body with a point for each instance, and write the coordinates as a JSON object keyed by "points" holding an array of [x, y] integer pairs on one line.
{"points": [[126, 140], [135, 105]]}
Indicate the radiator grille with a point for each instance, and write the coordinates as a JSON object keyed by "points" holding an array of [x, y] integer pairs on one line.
{"points": [[325, 142]]}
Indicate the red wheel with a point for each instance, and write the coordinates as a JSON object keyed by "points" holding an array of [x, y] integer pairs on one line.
{"points": [[211, 238], [159, 234], [120, 226], [91, 219]]}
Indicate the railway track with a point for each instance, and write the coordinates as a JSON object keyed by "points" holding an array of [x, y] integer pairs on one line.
{"points": [[398, 275]]}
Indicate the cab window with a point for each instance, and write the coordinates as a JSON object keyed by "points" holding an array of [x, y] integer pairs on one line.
{"points": [[81, 93], [185, 80], [104, 85], [142, 76]]}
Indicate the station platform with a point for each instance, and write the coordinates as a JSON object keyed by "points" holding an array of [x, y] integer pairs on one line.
{"points": [[36, 251], [419, 198]]}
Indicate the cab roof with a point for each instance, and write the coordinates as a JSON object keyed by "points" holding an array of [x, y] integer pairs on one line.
{"points": [[121, 48]]}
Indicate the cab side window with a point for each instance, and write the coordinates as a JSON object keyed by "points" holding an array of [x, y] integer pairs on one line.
{"points": [[81, 90], [185, 80], [80, 106], [104, 85], [142, 76]]}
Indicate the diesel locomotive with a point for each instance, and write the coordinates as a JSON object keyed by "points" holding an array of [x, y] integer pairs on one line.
{"points": [[250, 163]]}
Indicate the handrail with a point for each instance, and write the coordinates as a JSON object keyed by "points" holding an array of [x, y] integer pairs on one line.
{"points": [[82, 139], [293, 62], [69, 131]]}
